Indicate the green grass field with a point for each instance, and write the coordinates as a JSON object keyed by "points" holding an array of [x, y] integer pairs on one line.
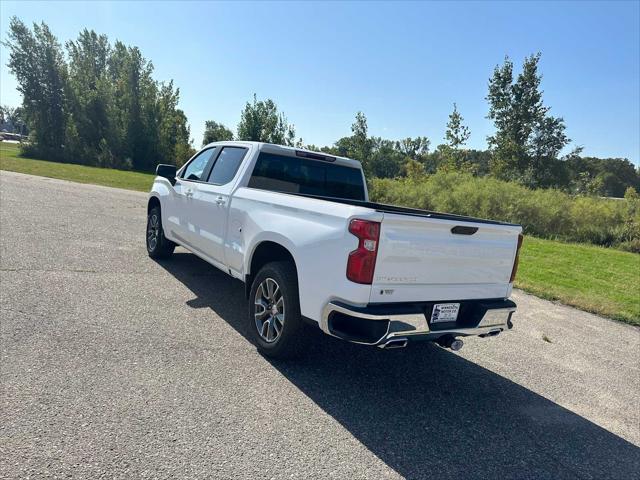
{"points": [[10, 160], [599, 280], [596, 279]]}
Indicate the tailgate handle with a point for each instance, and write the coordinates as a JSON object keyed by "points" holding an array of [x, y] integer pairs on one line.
{"points": [[462, 230]]}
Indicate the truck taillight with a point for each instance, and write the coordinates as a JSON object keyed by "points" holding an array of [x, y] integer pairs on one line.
{"points": [[514, 270], [362, 261]]}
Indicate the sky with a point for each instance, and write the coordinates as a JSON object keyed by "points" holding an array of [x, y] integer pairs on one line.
{"points": [[402, 64]]}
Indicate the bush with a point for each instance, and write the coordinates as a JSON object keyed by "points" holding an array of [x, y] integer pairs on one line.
{"points": [[545, 213], [632, 246]]}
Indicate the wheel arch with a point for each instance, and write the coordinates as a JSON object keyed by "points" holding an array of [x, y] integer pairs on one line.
{"points": [[265, 252], [153, 202]]}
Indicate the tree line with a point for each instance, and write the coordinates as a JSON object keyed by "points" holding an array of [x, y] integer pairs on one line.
{"points": [[525, 147], [98, 104], [93, 102]]}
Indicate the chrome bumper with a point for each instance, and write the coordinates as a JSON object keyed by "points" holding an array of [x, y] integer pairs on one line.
{"points": [[415, 325]]}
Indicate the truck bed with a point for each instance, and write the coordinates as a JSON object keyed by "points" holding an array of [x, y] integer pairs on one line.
{"points": [[384, 208], [432, 256]]}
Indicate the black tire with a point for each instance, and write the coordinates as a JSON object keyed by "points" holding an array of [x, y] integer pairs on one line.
{"points": [[291, 340], [157, 244]]}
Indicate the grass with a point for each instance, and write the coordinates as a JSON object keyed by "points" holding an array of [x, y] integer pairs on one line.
{"points": [[10, 160], [599, 280], [596, 279]]}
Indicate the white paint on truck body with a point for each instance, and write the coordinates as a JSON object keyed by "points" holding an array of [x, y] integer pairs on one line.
{"points": [[418, 259]]}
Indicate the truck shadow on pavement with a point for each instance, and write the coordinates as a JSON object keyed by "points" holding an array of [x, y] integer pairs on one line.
{"points": [[426, 412]]}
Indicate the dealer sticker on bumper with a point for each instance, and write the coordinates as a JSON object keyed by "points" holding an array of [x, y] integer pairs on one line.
{"points": [[445, 312]]}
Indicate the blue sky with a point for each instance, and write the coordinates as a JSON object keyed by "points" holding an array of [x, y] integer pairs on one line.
{"points": [[402, 64]]}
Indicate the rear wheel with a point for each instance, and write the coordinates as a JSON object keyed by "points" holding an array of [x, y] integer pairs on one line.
{"points": [[275, 322], [157, 244]]}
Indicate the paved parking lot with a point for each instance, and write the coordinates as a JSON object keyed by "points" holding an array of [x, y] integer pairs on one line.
{"points": [[116, 366]]}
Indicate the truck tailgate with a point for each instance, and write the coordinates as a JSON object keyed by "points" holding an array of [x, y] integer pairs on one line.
{"points": [[421, 259]]}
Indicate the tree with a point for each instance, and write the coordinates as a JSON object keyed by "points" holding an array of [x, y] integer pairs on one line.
{"points": [[89, 98], [215, 132], [99, 107], [608, 177], [380, 157], [37, 61], [13, 119], [172, 127], [456, 136], [359, 146], [260, 121], [457, 133], [414, 148], [527, 139], [361, 142], [385, 160], [414, 170]]}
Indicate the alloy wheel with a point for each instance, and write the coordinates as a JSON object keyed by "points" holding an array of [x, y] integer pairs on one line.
{"points": [[153, 231], [269, 310]]}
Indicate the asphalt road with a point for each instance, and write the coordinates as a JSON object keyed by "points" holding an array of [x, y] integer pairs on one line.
{"points": [[115, 366]]}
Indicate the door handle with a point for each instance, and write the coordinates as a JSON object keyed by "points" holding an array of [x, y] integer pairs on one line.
{"points": [[220, 200]]}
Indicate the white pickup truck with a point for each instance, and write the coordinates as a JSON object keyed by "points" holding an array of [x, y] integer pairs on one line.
{"points": [[298, 229]]}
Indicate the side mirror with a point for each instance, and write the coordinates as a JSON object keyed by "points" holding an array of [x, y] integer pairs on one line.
{"points": [[167, 171]]}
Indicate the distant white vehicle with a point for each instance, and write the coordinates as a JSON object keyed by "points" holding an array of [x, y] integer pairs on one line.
{"points": [[298, 229]]}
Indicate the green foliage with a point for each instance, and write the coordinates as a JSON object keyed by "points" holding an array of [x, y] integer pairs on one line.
{"points": [[215, 132], [260, 121], [545, 213], [632, 246], [172, 132], [88, 100], [414, 170], [457, 133], [413, 147], [527, 140], [37, 61], [452, 156], [13, 120], [360, 147], [385, 159], [631, 229], [606, 177], [100, 107], [380, 157], [360, 141]]}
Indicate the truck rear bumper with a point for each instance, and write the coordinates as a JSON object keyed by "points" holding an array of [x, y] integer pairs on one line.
{"points": [[378, 324]]}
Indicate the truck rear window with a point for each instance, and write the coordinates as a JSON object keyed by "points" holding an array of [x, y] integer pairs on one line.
{"points": [[280, 173]]}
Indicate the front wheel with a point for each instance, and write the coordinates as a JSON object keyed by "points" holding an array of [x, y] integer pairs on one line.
{"points": [[275, 322], [157, 244]]}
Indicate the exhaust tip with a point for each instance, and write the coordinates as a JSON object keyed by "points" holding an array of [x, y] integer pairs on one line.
{"points": [[453, 343], [395, 343], [456, 345]]}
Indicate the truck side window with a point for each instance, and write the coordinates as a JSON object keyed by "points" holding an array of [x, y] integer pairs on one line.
{"points": [[199, 166], [227, 165]]}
